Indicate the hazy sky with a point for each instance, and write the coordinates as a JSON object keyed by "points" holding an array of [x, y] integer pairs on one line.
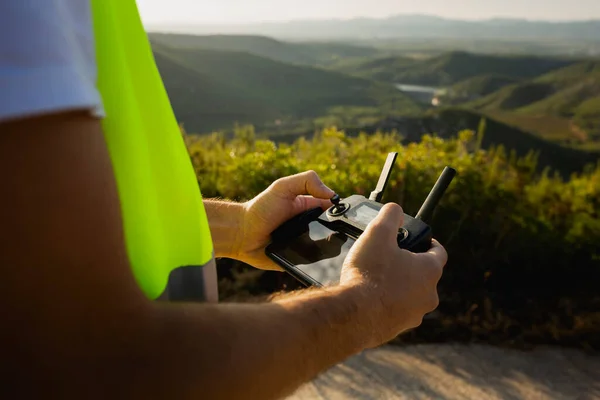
{"points": [[219, 11]]}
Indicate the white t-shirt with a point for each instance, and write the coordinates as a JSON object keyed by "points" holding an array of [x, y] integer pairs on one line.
{"points": [[47, 58]]}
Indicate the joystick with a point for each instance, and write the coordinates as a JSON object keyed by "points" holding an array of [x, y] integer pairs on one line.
{"points": [[336, 201], [337, 208]]}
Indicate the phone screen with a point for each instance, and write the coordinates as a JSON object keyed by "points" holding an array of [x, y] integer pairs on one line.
{"points": [[319, 253]]}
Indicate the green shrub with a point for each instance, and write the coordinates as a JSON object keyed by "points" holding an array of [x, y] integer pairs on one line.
{"points": [[523, 248]]}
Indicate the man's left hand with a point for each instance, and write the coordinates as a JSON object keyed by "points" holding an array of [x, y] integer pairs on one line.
{"points": [[282, 200]]}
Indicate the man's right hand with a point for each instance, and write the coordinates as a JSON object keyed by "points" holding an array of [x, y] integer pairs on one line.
{"points": [[396, 288]]}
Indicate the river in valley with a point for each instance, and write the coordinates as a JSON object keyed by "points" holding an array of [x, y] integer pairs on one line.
{"points": [[422, 94]]}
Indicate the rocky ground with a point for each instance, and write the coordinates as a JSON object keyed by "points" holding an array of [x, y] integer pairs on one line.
{"points": [[449, 371]]}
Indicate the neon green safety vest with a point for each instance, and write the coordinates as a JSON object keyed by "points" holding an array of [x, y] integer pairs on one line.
{"points": [[164, 218]]}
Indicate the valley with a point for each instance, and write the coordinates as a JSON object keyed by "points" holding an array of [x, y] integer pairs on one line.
{"points": [[287, 89]]}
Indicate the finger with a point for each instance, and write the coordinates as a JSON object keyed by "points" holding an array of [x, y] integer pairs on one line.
{"points": [[436, 256], [303, 183], [438, 252], [386, 224], [305, 203]]}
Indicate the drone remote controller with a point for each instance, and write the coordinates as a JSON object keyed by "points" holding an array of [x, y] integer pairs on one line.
{"points": [[347, 219]]}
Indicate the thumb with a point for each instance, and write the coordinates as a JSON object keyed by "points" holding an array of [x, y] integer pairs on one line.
{"points": [[384, 227]]}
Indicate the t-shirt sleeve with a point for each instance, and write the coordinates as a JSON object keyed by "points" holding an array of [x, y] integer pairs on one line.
{"points": [[47, 58]]}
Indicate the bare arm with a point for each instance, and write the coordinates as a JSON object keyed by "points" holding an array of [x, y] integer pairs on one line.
{"points": [[74, 320], [225, 219]]}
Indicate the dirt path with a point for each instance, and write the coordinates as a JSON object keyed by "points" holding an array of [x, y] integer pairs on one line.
{"points": [[459, 372]]}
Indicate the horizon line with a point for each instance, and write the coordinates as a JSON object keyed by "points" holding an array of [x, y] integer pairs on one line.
{"points": [[391, 16]]}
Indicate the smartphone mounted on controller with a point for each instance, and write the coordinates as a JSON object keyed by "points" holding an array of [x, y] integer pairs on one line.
{"points": [[312, 246]]}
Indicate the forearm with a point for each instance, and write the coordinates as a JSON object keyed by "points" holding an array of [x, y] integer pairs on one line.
{"points": [[80, 327], [196, 351], [248, 351], [225, 220]]}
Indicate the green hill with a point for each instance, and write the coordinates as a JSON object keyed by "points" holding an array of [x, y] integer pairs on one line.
{"points": [[312, 54], [475, 87], [587, 116], [381, 69], [202, 103], [451, 68], [557, 92], [573, 74], [573, 87], [570, 93], [515, 96], [213, 89]]}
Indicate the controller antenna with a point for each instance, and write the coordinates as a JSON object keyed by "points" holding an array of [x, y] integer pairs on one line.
{"points": [[434, 197], [377, 194]]}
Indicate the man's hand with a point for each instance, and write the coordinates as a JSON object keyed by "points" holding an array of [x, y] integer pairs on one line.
{"points": [[284, 199], [398, 287]]}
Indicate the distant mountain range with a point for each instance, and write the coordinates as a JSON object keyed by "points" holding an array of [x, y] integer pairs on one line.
{"points": [[404, 26]]}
